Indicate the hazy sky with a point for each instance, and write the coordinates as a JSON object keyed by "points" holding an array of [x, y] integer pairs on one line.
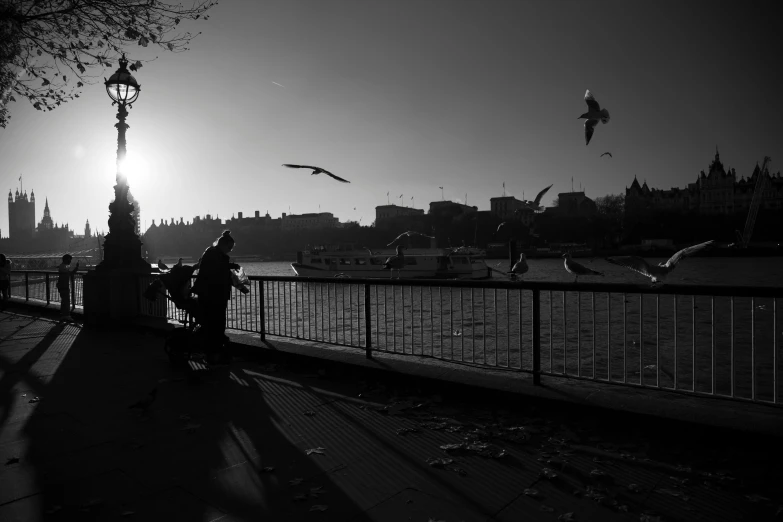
{"points": [[406, 96]]}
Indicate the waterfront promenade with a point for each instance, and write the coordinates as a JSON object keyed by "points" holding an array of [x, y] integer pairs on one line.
{"points": [[387, 446]]}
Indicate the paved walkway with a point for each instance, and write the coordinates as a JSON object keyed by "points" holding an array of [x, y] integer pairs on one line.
{"points": [[289, 441]]}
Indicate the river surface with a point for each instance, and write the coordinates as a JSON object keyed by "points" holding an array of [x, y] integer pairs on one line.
{"points": [[733, 271]]}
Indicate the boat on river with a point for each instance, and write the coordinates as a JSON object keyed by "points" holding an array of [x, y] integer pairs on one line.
{"points": [[420, 263]]}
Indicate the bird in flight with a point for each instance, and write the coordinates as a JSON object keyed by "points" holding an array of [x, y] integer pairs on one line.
{"points": [[572, 267], [536, 203], [316, 170], [409, 233], [594, 114], [605, 153], [657, 273]]}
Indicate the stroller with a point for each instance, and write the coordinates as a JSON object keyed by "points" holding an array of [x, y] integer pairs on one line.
{"points": [[190, 342]]}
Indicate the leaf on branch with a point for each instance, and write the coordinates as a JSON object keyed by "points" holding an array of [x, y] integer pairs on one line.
{"points": [[170, 46], [143, 41], [45, 82], [81, 68], [138, 65], [79, 84], [39, 52], [12, 98], [37, 105], [176, 21], [100, 43], [64, 78]]}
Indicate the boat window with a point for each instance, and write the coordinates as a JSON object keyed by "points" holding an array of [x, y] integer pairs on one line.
{"points": [[344, 261], [376, 261], [410, 261], [316, 260], [360, 261]]}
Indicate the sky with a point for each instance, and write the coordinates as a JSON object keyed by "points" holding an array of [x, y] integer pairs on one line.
{"points": [[406, 97]]}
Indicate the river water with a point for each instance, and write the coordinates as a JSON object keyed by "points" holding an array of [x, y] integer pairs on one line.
{"points": [[722, 345]]}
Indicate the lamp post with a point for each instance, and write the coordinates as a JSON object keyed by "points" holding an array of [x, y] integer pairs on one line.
{"points": [[122, 246]]}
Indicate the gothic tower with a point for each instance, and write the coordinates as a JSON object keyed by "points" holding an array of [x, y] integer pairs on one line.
{"points": [[87, 232], [21, 215]]}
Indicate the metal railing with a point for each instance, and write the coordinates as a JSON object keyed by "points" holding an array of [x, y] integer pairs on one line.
{"points": [[717, 341], [720, 341], [41, 286]]}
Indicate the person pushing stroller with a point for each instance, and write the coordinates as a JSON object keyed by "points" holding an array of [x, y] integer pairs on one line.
{"points": [[213, 287]]}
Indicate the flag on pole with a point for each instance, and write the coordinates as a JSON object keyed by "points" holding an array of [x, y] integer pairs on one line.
{"points": [[20, 178], [440, 188], [411, 197]]}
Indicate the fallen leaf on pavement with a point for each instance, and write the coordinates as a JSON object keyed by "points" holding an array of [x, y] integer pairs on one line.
{"points": [[299, 498], [530, 492], [34, 399], [674, 493], [267, 469], [191, 427], [127, 513], [634, 488], [11, 460], [319, 507], [548, 473], [54, 509], [548, 509], [756, 498], [597, 473], [295, 482], [567, 517], [309, 413], [184, 417], [439, 463], [317, 451]]}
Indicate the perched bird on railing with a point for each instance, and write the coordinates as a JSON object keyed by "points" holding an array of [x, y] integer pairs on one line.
{"points": [[395, 262], [536, 203], [572, 267], [162, 266], [594, 114], [519, 268], [144, 404], [316, 170], [657, 273], [409, 233]]}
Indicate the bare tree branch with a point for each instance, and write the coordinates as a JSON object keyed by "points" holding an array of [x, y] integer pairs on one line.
{"points": [[49, 49]]}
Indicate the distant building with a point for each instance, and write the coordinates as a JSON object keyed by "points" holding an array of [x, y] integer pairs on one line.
{"points": [[383, 212], [451, 208], [21, 216], [309, 221], [574, 204], [87, 231], [505, 207], [716, 192]]}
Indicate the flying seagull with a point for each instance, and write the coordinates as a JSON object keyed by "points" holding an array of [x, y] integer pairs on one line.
{"points": [[409, 233], [594, 114], [657, 273], [605, 153], [316, 170], [572, 267], [536, 203], [395, 262]]}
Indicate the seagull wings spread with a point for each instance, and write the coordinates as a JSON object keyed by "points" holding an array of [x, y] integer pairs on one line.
{"points": [[537, 201], [589, 129], [687, 252], [591, 103], [635, 263]]}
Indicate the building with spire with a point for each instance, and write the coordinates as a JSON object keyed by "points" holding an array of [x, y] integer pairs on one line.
{"points": [[21, 215], [715, 192]]}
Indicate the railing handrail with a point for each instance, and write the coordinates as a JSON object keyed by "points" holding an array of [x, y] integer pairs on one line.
{"points": [[666, 289]]}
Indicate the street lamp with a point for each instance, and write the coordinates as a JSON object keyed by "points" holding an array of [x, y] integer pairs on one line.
{"points": [[122, 246]]}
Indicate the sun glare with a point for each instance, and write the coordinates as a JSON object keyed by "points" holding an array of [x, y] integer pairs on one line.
{"points": [[137, 171]]}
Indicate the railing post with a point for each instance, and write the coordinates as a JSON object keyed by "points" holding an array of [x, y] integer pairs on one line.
{"points": [[262, 323], [73, 290], [537, 337], [367, 322], [27, 286], [47, 288]]}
